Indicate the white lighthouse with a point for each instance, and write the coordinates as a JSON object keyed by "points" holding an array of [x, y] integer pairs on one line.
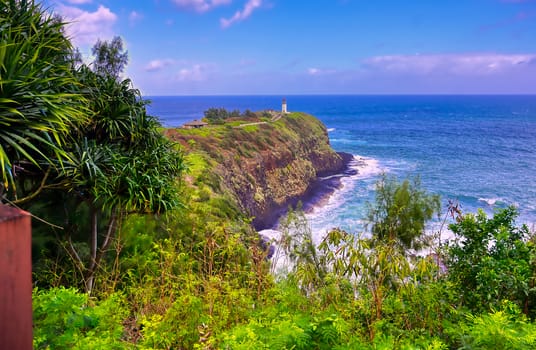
{"points": [[284, 106]]}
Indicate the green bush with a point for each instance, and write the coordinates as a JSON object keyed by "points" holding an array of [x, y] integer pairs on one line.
{"points": [[492, 260], [66, 319], [497, 330]]}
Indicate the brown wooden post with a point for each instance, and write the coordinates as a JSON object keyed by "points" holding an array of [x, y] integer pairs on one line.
{"points": [[15, 279]]}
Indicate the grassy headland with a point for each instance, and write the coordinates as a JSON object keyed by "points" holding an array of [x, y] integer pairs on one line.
{"points": [[264, 162]]}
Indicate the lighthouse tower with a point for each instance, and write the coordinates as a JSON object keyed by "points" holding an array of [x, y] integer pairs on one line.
{"points": [[284, 106]]}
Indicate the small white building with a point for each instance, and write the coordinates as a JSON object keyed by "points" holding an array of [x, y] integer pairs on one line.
{"points": [[284, 106]]}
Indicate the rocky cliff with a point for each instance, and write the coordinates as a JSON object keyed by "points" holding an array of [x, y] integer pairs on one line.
{"points": [[264, 163]]}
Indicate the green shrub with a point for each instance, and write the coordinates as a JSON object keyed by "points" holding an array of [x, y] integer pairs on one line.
{"points": [[177, 328], [66, 319], [492, 260], [497, 330]]}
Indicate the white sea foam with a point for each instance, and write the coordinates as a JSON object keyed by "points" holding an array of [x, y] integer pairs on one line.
{"points": [[491, 201], [320, 217], [331, 129], [281, 264], [366, 167]]}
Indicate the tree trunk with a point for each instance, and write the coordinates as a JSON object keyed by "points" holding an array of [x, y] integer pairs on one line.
{"points": [[97, 252], [94, 236]]}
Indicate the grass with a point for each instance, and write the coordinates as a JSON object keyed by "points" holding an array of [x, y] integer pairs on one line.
{"points": [[251, 128], [196, 164]]}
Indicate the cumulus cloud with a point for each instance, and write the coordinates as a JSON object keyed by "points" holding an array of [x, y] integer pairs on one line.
{"points": [[197, 72], [200, 5], [86, 27], [194, 72], [159, 64], [248, 9], [461, 64]]}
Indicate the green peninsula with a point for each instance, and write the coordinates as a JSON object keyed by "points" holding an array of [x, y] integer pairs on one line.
{"points": [[264, 161]]}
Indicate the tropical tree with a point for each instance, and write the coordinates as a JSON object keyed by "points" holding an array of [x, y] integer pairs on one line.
{"points": [[39, 99], [117, 162], [400, 212], [120, 164], [110, 59]]}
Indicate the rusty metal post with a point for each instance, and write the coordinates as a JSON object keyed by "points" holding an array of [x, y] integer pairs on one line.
{"points": [[15, 279]]}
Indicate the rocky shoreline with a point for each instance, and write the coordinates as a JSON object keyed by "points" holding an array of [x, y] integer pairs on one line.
{"points": [[320, 190]]}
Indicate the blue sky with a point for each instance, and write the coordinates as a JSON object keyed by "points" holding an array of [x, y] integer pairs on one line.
{"points": [[208, 47]]}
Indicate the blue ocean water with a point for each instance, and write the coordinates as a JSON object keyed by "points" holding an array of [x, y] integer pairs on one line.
{"points": [[478, 150]]}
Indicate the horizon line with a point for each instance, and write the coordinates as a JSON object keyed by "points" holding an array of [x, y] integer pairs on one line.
{"points": [[344, 94]]}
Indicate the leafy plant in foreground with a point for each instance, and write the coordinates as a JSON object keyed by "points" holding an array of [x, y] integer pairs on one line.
{"points": [[492, 260], [66, 319], [39, 99]]}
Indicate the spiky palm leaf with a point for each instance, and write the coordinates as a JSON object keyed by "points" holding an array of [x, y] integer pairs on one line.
{"points": [[39, 102]]}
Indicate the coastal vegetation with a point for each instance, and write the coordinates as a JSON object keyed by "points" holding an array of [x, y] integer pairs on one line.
{"points": [[249, 160], [221, 115], [147, 241]]}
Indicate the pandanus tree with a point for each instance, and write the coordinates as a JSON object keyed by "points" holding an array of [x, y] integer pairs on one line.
{"points": [[121, 164], [76, 144], [39, 100]]}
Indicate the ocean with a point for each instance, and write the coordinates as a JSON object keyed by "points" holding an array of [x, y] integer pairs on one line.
{"points": [[477, 150]]}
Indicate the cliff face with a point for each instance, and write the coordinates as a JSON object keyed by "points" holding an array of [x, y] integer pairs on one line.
{"points": [[265, 165]]}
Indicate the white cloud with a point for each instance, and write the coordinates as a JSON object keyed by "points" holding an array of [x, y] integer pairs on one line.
{"points": [[248, 9], [319, 71], [159, 64], [461, 64], [86, 27], [134, 17], [200, 5], [195, 73]]}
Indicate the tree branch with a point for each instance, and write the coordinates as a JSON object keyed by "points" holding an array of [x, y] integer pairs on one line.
{"points": [[36, 192], [73, 253], [97, 255], [112, 227]]}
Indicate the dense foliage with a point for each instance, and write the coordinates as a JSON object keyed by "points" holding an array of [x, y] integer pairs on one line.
{"points": [[142, 255], [491, 261], [40, 102], [220, 115], [401, 211], [77, 146]]}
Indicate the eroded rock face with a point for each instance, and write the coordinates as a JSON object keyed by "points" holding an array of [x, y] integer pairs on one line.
{"points": [[268, 166]]}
